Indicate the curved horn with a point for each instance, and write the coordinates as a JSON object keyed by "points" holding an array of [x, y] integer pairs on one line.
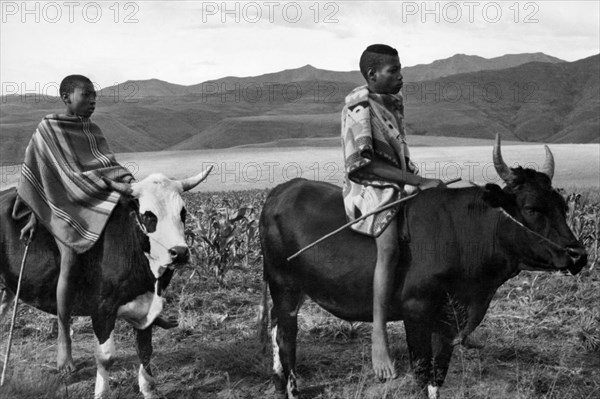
{"points": [[501, 167], [191, 182], [123, 188], [548, 167]]}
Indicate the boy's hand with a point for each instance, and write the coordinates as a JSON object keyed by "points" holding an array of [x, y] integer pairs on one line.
{"points": [[431, 183], [28, 230], [128, 179]]}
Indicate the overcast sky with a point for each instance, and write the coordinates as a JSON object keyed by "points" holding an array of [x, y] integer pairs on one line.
{"points": [[188, 42]]}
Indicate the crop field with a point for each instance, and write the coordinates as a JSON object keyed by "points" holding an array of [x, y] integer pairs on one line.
{"points": [[539, 339]]}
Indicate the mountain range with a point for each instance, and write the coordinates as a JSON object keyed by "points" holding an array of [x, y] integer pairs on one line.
{"points": [[525, 97]]}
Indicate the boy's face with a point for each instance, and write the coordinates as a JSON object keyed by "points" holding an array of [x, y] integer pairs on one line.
{"points": [[82, 101], [387, 79]]}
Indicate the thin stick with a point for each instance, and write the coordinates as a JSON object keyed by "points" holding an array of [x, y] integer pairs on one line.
{"points": [[14, 316], [383, 208]]}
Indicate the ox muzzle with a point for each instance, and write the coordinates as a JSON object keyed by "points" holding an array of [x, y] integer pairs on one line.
{"points": [[179, 254], [577, 259]]}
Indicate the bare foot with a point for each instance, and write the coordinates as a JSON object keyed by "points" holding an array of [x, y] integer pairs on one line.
{"points": [[65, 364], [64, 359], [383, 366]]}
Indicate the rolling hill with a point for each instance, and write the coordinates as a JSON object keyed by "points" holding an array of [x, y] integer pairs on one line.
{"points": [[458, 63], [545, 100], [461, 63], [537, 101], [532, 102]]}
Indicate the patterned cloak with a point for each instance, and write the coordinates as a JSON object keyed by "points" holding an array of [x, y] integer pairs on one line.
{"points": [[372, 127], [61, 179]]}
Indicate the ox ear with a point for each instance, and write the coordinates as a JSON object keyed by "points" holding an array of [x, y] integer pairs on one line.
{"points": [[495, 197], [122, 188], [191, 182]]}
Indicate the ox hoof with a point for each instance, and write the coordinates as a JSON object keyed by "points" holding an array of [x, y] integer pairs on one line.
{"points": [[273, 393], [433, 392], [467, 342], [471, 343], [168, 323]]}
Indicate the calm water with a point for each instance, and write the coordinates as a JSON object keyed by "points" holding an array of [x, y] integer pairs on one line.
{"points": [[246, 168]]}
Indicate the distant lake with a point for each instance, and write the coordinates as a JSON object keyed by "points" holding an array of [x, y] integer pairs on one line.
{"points": [[577, 165]]}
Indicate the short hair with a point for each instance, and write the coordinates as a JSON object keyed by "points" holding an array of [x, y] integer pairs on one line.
{"points": [[374, 56], [69, 83]]}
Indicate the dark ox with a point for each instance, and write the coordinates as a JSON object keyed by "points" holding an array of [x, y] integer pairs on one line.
{"points": [[458, 247], [122, 276]]}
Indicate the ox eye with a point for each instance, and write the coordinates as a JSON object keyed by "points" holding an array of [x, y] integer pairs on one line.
{"points": [[530, 211], [149, 220], [183, 215]]}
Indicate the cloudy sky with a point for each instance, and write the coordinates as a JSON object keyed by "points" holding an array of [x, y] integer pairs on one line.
{"points": [[188, 42]]}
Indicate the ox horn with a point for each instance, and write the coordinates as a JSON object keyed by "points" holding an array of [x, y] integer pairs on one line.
{"points": [[120, 187], [191, 182], [548, 167], [501, 167]]}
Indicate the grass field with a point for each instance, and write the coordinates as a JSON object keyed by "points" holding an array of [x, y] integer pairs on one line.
{"points": [[540, 337]]}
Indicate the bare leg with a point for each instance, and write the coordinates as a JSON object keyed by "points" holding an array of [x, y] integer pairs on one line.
{"points": [[387, 259], [64, 304]]}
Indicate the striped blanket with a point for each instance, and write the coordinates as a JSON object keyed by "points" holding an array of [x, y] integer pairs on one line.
{"points": [[372, 126], [62, 182]]}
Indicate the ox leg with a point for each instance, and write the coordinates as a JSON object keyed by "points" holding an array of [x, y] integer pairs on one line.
{"points": [[442, 353], [103, 325], [284, 329], [143, 340], [419, 339], [105, 357]]}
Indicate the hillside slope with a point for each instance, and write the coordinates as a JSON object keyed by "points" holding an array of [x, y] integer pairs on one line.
{"points": [[546, 100]]}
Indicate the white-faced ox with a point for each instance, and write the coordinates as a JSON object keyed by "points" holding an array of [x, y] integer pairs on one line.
{"points": [[122, 276], [458, 246]]}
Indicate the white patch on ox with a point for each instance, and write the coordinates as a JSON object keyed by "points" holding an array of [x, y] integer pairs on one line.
{"points": [[433, 392], [294, 312], [143, 310], [6, 300], [147, 384], [277, 366], [292, 388], [155, 265], [104, 357]]}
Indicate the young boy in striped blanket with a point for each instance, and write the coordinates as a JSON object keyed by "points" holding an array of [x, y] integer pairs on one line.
{"points": [[61, 183], [377, 168]]}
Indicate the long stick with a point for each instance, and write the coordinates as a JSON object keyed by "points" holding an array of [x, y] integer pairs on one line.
{"points": [[14, 315], [383, 208]]}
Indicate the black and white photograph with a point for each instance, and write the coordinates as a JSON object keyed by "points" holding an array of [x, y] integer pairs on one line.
{"points": [[300, 199]]}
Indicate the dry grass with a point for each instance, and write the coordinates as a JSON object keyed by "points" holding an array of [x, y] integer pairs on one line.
{"points": [[540, 339]]}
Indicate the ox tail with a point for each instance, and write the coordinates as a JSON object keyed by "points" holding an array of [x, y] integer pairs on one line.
{"points": [[262, 320]]}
